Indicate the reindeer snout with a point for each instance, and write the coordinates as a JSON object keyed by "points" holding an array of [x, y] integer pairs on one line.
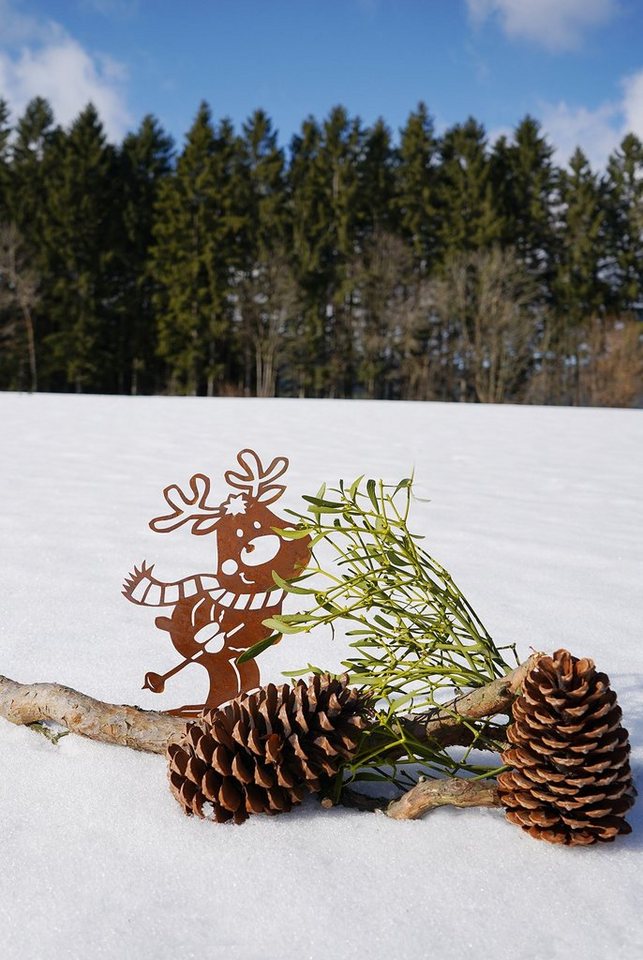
{"points": [[260, 550]]}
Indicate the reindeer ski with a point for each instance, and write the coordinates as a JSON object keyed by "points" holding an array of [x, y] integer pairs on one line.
{"points": [[218, 615]]}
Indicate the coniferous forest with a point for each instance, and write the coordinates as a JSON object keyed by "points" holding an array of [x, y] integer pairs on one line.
{"points": [[355, 263]]}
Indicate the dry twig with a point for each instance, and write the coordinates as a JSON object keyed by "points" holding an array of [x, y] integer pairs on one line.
{"points": [[453, 791]]}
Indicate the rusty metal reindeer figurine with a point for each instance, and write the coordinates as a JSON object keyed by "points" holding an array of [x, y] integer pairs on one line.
{"points": [[218, 615]]}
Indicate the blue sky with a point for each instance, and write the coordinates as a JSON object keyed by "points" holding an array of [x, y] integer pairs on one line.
{"points": [[577, 65]]}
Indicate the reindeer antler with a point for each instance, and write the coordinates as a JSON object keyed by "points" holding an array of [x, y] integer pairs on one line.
{"points": [[186, 507], [256, 481]]}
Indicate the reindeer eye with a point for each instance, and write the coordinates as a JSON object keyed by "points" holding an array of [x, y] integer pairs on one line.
{"points": [[256, 525], [239, 533]]}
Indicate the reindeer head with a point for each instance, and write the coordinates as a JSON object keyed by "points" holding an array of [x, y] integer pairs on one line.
{"points": [[248, 547]]}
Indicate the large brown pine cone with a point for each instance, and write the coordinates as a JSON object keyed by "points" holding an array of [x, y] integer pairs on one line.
{"points": [[570, 780], [264, 751]]}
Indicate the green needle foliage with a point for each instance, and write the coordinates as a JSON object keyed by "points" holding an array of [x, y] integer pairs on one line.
{"points": [[417, 640]]}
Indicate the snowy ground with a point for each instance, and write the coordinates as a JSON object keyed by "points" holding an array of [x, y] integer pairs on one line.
{"points": [[537, 513]]}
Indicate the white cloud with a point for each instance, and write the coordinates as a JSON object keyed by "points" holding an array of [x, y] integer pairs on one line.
{"points": [[555, 24], [597, 131], [633, 103], [594, 131], [39, 58]]}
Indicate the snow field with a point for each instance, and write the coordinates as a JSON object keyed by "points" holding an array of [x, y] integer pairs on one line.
{"points": [[538, 515]]}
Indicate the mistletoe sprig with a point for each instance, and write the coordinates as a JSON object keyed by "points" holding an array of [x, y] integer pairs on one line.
{"points": [[416, 638]]}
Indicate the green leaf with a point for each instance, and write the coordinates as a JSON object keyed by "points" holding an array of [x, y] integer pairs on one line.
{"points": [[402, 485], [352, 490], [258, 648], [400, 702], [289, 533], [371, 491], [322, 506], [282, 626], [290, 587], [383, 623]]}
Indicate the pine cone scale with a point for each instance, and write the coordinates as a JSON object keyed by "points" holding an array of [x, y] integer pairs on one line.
{"points": [[242, 768], [210, 786]]}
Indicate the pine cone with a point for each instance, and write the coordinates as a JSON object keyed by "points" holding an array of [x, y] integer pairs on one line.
{"points": [[570, 780], [264, 751]]}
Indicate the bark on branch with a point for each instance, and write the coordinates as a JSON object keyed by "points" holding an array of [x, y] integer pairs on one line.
{"points": [[428, 794], [24, 703], [423, 797]]}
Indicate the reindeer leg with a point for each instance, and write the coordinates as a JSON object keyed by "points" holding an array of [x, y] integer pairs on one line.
{"points": [[188, 710], [247, 674]]}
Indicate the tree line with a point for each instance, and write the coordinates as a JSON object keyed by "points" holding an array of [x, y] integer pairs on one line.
{"points": [[429, 266]]}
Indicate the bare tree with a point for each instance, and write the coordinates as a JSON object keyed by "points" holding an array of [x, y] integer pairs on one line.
{"points": [[267, 301], [19, 294], [488, 306], [391, 310], [597, 363], [613, 373]]}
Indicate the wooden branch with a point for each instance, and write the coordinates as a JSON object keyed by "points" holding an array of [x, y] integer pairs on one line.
{"points": [[149, 730], [429, 794], [24, 703], [423, 797], [444, 723]]}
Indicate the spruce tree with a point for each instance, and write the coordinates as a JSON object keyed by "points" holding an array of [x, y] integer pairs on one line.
{"points": [[531, 199], [325, 189], [5, 133], [79, 234], [501, 174], [29, 155], [306, 196], [417, 188], [264, 202], [624, 185], [377, 211], [30, 160], [265, 286], [145, 160], [580, 291], [466, 216], [197, 229], [341, 150]]}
